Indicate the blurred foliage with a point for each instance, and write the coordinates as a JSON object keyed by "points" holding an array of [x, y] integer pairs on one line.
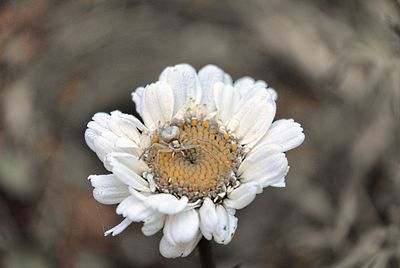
{"points": [[335, 65]]}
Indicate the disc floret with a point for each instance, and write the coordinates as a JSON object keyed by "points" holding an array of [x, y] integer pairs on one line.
{"points": [[193, 158]]}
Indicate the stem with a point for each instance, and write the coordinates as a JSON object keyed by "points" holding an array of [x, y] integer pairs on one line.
{"points": [[206, 258]]}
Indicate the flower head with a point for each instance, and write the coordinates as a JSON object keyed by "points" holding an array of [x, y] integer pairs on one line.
{"points": [[206, 148]]}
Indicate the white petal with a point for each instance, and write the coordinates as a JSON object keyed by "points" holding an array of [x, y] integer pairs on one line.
{"points": [[243, 85], [135, 197], [117, 132], [145, 141], [259, 88], [131, 120], [226, 100], [142, 196], [112, 195], [273, 93], [126, 143], [158, 105], [90, 136], [101, 118], [227, 79], [131, 161], [280, 183], [126, 203], [137, 97], [110, 135], [127, 168], [208, 218], [241, 196], [183, 80], [193, 205], [208, 76], [105, 181], [266, 165], [138, 212], [98, 126], [103, 146], [126, 125], [226, 227], [153, 224], [252, 119], [134, 209], [108, 189], [119, 228], [170, 250], [192, 245], [286, 133], [248, 87], [166, 203], [183, 227]]}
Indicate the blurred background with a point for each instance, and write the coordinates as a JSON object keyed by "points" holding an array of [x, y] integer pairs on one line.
{"points": [[334, 64]]}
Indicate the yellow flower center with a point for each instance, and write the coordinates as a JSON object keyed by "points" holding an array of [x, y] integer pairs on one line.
{"points": [[194, 159]]}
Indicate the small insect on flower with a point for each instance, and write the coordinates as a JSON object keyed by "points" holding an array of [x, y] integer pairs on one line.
{"points": [[168, 142], [206, 148]]}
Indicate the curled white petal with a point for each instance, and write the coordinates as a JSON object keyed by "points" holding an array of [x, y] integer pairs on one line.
{"points": [[134, 209], [183, 227], [252, 119], [103, 147], [130, 161], [119, 228], [105, 181], [266, 165], [153, 224], [137, 97], [281, 183], [127, 168], [166, 203], [108, 189], [286, 133], [241, 196], [125, 125], [272, 92], [171, 250], [226, 227], [117, 132], [208, 218]]}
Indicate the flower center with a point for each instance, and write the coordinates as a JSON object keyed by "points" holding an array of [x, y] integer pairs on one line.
{"points": [[194, 159]]}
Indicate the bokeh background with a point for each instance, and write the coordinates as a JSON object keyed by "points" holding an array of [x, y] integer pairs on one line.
{"points": [[334, 64]]}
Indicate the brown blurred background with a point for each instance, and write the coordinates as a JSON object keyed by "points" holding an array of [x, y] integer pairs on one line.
{"points": [[334, 64]]}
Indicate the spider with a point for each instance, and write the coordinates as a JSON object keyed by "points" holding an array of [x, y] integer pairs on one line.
{"points": [[170, 140]]}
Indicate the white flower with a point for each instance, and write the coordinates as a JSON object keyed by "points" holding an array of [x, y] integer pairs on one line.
{"points": [[206, 148]]}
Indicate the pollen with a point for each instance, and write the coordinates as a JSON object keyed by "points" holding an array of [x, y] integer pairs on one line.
{"points": [[155, 139], [233, 147], [226, 136], [198, 162]]}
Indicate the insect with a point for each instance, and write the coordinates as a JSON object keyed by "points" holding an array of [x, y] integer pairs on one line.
{"points": [[170, 140]]}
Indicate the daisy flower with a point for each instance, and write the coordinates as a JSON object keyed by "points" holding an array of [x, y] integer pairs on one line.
{"points": [[206, 148]]}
